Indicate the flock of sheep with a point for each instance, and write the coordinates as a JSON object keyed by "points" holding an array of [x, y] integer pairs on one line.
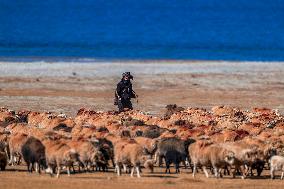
{"points": [[222, 141]]}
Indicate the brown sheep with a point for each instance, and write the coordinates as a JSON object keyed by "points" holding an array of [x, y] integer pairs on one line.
{"points": [[245, 155], [88, 153], [208, 154], [59, 154], [15, 146], [150, 145], [129, 153]]}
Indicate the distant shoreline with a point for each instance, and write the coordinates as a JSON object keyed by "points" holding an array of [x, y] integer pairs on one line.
{"points": [[114, 60], [109, 69]]}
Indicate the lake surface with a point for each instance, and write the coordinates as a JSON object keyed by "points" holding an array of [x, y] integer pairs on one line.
{"points": [[239, 30]]}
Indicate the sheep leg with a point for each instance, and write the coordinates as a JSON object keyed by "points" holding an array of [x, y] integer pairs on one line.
{"points": [[81, 164], [168, 167], [93, 168], [87, 167], [79, 169], [216, 171], [236, 171], [160, 161], [247, 169], [49, 170], [194, 170], [33, 167], [58, 171], [260, 168], [205, 171], [29, 166], [226, 170], [177, 168], [19, 160], [7, 154], [132, 171], [191, 166], [282, 175], [117, 169], [272, 173], [124, 168], [37, 168], [112, 161], [251, 171], [11, 159], [138, 171], [243, 171], [187, 162], [220, 173], [155, 158], [68, 171], [73, 169]]}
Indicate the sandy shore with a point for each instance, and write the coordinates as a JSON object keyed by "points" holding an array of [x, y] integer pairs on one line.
{"points": [[65, 87]]}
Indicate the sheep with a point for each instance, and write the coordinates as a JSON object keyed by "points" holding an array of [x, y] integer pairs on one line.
{"points": [[129, 153], [245, 155], [33, 152], [174, 150], [88, 153], [208, 154], [148, 144], [277, 164], [15, 145], [59, 154]]}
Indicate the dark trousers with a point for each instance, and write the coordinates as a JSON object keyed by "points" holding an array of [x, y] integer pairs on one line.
{"points": [[124, 103]]}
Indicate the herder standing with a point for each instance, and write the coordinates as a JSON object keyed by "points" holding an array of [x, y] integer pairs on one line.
{"points": [[124, 93]]}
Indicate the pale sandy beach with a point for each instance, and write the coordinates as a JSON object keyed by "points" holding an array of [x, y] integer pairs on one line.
{"points": [[65, 87]]}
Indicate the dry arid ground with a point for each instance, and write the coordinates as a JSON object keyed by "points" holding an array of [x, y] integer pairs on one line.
{"points": [[66, 87], [21, 179]]}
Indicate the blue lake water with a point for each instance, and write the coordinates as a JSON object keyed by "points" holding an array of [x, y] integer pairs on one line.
{"points": [[143, 29]]}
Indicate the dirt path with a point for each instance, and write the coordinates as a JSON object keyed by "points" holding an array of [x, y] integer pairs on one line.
{"points": [[17, 177]]}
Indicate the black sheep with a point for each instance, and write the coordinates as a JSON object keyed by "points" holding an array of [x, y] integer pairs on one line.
{"points": [[33, 151]]}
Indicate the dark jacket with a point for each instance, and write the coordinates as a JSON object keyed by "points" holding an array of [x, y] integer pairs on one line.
{"points": [[124, 90]]}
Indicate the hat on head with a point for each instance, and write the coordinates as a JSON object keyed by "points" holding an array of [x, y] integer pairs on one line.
{"points": [[127, 74]]}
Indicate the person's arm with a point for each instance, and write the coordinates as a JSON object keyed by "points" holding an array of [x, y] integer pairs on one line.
{"points": [[117, 91]]}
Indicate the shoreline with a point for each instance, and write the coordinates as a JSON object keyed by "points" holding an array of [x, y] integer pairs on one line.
{"points": [[105, 69], [55, 59]]}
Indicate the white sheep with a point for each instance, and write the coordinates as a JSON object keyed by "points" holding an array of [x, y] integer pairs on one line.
{"points": [[277, 164]]}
